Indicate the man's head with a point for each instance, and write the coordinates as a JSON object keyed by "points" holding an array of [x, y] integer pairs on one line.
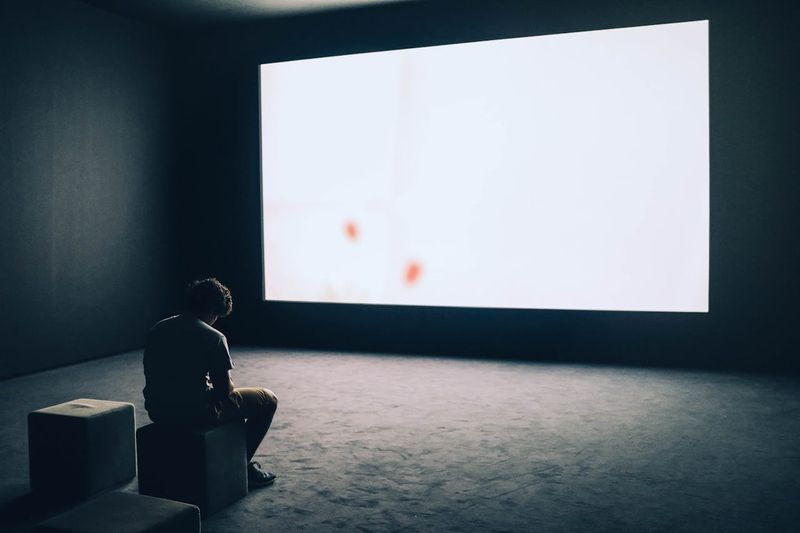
{"points": [[208, 299]]}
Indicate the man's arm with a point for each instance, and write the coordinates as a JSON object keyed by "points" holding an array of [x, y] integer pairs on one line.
{"points": [[222, 384], [220, 370]]}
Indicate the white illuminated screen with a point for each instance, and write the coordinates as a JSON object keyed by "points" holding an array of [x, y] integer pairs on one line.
{"points": [[558, 172]]}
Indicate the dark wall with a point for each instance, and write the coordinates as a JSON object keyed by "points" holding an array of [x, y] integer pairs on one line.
{"points": [[754, 187], [86, 221]]}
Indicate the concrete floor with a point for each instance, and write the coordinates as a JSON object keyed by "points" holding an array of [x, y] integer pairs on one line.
{"points": [[388, 443]]}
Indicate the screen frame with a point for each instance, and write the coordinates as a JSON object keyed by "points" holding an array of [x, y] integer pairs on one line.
{"points": [[709, 217]]}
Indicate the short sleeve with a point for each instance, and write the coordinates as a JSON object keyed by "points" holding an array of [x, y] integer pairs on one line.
{"points": [[220, 357]]}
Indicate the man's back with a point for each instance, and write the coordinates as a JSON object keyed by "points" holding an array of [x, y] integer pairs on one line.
{"points": [[180, 352]]}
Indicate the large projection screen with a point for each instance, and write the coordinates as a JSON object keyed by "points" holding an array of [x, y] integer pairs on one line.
{"points": [[565, 171]]}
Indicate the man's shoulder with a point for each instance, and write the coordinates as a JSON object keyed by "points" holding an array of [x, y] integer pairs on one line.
{"points": [[211, 331], [190, 325], [163, 325], [165, 322]]}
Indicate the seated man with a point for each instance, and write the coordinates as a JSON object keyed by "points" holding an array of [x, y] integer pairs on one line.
{"points": [[187, 373]]}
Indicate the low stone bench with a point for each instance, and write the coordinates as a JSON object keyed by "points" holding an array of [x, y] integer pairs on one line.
{"points": [[205, 466], [80, 448], [125, 512]]}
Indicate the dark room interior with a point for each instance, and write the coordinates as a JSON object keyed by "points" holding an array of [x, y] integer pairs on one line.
{"points": [[130, 166]]}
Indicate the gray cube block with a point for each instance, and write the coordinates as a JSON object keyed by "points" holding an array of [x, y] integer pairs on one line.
{"points": [[80, 448], [124, 512], [205, 466]]}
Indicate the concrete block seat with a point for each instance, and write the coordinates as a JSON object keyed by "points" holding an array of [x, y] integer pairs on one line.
{"points": [[125, 512], [81, 447], [205, 466]]}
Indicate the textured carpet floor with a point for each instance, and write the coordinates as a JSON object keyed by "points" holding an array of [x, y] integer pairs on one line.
{"points": [[385, 443]]}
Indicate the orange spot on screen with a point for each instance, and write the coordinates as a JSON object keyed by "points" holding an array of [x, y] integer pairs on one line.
{"points": [[413, 271], [351, 230]]}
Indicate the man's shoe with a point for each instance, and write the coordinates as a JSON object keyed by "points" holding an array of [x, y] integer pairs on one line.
{"points": [[257, 477]]}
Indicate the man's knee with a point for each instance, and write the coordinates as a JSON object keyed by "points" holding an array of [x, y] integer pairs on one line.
{"points": [[270, 401], [255, 401]]}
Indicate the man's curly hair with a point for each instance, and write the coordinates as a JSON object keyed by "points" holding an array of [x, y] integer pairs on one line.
{"points": [[209, 296]]}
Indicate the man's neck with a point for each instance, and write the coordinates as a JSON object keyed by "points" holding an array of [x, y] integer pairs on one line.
{"points": [[209, 319]]}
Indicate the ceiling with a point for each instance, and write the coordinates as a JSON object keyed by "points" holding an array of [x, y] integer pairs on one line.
{"points": [[201, 12]]}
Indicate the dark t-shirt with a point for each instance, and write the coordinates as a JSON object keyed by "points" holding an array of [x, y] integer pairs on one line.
{"points": [[180, 353]]}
